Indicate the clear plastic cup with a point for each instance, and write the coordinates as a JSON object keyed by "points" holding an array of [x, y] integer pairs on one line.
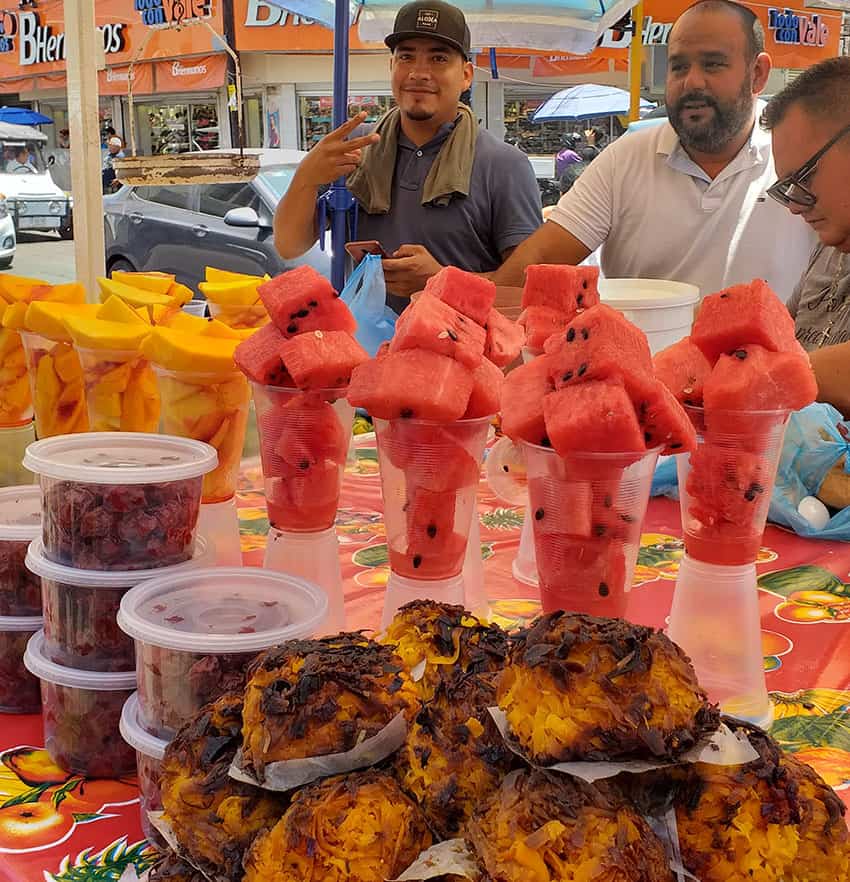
{"points": [[20, 691], [119, 500], [15, 392], [14, 441], [239, 317], [218, 523], [121, 390], [474, 593], [304, 441], [81, 606], [587, 511], [57, 386], [196, 633], [429, 480], [20, 523], [196, 307], [402, 590], [81, 711], [524, 567], [726, 484], [150, 751], [211, 408], [715, 619]]}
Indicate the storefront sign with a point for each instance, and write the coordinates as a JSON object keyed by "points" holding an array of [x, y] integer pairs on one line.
{"points": [[167, 13], [796, 29], [8, 30], [40, 43], [116, 80], [191, 75]]}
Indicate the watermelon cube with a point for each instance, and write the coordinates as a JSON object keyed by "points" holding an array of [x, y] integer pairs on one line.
{"points": [[522, 401], [602, 323], [663, 420], [430, 520], [740, 315], [505, 339], [540, 323], [303, 300], [417, 562], [259, 357], [595, 416], [412, 384], [566, 289], [304, 500], [486, 396], [470, 294], [322, 359], [435, 326], [309, 431], [683, 369], [551, 515]]}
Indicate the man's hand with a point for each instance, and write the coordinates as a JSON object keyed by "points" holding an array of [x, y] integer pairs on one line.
{"points": [[334, 155], [407, 271]]}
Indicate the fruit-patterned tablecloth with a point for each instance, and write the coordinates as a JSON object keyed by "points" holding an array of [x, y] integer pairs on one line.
{"points": [[94, 831]]}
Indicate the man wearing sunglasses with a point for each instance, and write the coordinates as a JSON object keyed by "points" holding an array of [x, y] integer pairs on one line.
{"points": [[810, 124]]}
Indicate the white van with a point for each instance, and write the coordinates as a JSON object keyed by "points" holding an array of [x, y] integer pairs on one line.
{"points": [[32, 198]]}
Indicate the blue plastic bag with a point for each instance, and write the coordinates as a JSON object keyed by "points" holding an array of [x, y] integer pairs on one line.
{"points": [[365, 294]]}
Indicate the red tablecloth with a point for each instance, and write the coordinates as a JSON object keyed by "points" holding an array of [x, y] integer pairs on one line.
{"points": [[805, 603]]}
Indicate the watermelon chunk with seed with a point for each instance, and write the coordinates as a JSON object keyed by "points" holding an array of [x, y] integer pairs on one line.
{"points": [[303, 300], [741, 315], [470, 294], [683, 369], [435, 326], [259, 357], [430, 520], [540, 323], [417, 562], [412, 384], [522, 401], [563, 288], [505, 339], [663, 420], [308, 431], [486, 396], [602, 325], [322, 359], [304, 499]]}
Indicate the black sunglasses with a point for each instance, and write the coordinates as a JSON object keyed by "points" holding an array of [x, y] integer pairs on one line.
{"points": [[790, 190]]}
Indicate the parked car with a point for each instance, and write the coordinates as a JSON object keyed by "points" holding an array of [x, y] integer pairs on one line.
{"points": [[182, 229], [7, 237]]}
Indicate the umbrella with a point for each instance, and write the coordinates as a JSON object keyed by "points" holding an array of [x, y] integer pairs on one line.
{"points": [[586, 101], [23, 116]]}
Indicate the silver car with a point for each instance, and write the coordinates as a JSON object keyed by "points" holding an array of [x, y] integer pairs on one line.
{"points": [[182, 229]]}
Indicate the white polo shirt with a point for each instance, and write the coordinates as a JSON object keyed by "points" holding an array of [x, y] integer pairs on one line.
{"points": [[658, 215]]}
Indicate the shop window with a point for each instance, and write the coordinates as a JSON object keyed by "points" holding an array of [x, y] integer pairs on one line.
{"points": [[317, 113], [175, 197], [218, 199]]}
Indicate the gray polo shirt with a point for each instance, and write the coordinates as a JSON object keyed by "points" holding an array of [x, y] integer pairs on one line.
{"points": [[820, 304], [472, 232]]}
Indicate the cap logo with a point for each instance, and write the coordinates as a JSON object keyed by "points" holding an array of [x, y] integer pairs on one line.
{"points": [[427, 19]]}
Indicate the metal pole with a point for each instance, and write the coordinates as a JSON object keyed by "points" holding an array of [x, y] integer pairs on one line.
{"points": [[340, 199], [635, 62]]}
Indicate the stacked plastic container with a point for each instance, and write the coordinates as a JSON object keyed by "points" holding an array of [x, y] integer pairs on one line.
{"points": [[118, 509]]}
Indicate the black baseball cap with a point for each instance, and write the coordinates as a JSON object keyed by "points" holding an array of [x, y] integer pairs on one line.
{"points": [[431, 18]]}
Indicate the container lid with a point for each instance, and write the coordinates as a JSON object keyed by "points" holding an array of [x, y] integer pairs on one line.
{"points": [[37, 563], [646, 293], [37, 663], [135, 735], [21, 623], [234, 609], [20, 513], [120, 458]]}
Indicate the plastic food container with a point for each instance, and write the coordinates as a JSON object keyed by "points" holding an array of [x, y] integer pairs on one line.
{"points": [[81, 711], [149, 753], [81, 607], [20, 523], [120, 500], [196, 633], [20, 692]]}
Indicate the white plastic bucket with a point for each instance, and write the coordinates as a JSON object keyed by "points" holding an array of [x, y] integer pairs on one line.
{"points": [[663, 310]]}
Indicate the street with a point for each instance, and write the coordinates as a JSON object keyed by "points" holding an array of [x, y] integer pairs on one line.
{"points": [[44, 256]]}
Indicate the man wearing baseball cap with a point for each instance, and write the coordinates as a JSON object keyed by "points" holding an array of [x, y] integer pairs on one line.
{"points": [[433, 188]]}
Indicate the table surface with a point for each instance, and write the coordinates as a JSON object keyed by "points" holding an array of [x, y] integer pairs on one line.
{"points": [[806, 649]]}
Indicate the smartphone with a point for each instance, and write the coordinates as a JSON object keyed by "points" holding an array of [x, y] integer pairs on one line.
{"points": [[358, 250]]}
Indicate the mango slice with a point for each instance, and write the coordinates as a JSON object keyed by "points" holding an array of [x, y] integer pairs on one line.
{"points": [[14, 316], [114, 309], [178, 351], [159, 283], [15, 395], [215, 328], [180, 294], [131, 295], [211, 274], [121, 392], [95, 333], [240, 317], [58, 390], [71, 292], [14, 288], [174, 317], [242, 293], [48, 319]]}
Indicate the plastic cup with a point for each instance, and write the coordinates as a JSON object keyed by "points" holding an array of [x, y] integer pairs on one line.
{"points": [[211, 408], [402, 590], [315, 558], [81, 711], [15, 393], [57, 386], [239, 317], [119, 500], [196, 634], [121, 390], [726, 484], [196, 307], [586, 512], [715, 619], [20, 691], [80, 609], [20, 523], [474, 593], [429, 479], [524, 566], [304, 441], [150, 752], [218, 523], [14, 441]]}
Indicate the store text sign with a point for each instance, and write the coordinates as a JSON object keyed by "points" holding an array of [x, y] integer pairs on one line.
{"points": [[39, 43], [168, 13], [795, 29], [8, 30]]}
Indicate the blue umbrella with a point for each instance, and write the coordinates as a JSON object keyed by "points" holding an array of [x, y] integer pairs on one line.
{"points": [[586, 101], [23, 116]]}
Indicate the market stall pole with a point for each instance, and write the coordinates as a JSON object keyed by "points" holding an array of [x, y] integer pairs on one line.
{"points": [[84, 43], [636, 62]]}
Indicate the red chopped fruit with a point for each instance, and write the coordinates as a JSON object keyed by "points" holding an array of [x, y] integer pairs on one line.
{"points": [[683, 369], [540, 323], [308, 431], [741, 315], [303, 300], [522, 401], [259, 357], [469, 294], [563, 288], [663, 420], [429, 324], [304, 499], [408, 559], [20, 590], [602, 325], [412, 384], [486, 395], [322, 359], [552, 513], [505, 339], [430, 519], [20, 691]]}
